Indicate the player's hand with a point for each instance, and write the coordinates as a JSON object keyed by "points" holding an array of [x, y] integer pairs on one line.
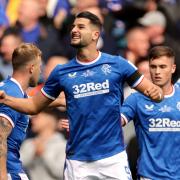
{"points": [[123, 122], [64, 124], [155, 93], [2, 96]]}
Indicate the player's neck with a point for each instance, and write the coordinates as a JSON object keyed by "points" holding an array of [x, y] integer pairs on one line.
{"points": [[86, 55], [22, 80], [167, 89]]}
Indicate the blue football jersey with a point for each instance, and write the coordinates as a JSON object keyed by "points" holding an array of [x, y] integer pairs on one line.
{"points": [[177, 84], [19, 123], [94, 94], [157, 128]]}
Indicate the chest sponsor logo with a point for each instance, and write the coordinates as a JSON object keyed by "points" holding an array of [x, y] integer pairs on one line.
{"points": [[90, 89], [163, 124]]}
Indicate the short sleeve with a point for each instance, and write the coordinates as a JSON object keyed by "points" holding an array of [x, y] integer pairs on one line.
{"points": [[128, 109], [130, 72], [10, 114], [52, 86]]}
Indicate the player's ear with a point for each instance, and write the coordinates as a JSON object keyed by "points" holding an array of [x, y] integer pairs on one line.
{"points": [[96, 35], [31, 68], [173, 68]]}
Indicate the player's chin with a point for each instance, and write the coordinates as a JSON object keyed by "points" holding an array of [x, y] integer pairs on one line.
{"points": [[73, 44], [158, 82], [76, 45]]}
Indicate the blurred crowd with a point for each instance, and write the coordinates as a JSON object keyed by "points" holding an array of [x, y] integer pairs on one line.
{"points": [[130, 29]]}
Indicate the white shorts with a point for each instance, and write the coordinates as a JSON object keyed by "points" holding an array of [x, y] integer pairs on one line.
{"points": [[112, 168]]}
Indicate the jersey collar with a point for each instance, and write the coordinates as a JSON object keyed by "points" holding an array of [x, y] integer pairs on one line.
{"points": [[16, 82], [171, 94], [88, 63]]}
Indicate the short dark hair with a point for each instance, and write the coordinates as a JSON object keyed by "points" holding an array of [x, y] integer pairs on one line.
{"points": [[92, 17], [12, 31], [159, 51]]}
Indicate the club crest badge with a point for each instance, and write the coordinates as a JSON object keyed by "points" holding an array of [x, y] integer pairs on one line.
{"points": [[106, 68]]}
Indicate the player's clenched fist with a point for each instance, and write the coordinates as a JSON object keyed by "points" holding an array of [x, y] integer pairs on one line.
{"points": [[155, 93]]}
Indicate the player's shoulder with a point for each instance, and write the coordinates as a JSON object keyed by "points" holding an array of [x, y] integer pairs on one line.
{"points": [[177, 84], [106, 55], [137, 96], [132, 96], [113, 57], [69, 63], [11, 88], [177, 89], [6, 84]]}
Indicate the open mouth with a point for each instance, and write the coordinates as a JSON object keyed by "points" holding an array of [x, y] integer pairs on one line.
{"points": [[75, 36]]}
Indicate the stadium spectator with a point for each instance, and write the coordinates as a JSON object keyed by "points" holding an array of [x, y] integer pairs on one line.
{"points": [[12, 10], [32, 31], [43, 155], [155, 23], [138, 44], [9, 41], [4, 22]]}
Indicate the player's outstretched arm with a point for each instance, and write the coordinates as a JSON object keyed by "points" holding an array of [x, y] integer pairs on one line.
{"points": [[31, 105], [5, 130], [151, 90]]}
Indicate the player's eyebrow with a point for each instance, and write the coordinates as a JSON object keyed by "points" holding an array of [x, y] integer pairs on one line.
{"points": [[79, 24]]}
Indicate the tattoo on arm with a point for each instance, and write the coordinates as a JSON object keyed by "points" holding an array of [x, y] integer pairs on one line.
{"points": [[5, 130]]}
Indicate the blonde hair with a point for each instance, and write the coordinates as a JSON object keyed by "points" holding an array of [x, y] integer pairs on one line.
{"points": [[23, 54]]}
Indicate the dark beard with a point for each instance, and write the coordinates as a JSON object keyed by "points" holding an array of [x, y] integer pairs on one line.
{"points": [[77, 46]]}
